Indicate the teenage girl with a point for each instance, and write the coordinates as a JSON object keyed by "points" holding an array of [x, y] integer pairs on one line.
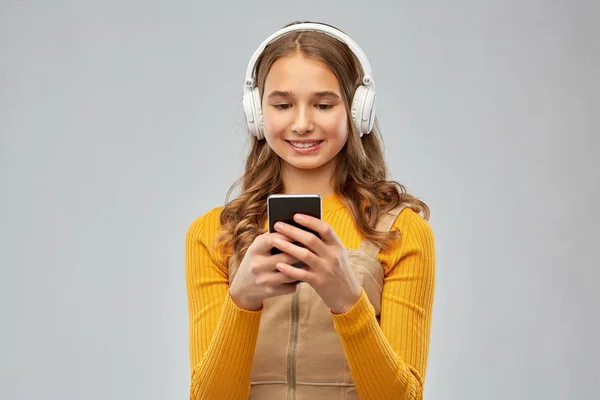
{"points": [[355, 321]]}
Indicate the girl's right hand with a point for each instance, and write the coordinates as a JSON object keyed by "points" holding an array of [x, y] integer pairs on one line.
{"points": [[257, 278]]}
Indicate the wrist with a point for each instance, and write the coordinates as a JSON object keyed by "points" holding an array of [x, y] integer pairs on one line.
{"points": [[243, 303], [348, 304]]}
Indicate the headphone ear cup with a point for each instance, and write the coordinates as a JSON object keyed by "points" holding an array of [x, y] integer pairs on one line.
{"points": [[253, 112], [258, 114], [247, 101], [357, 109], [369, 107], [363, 109]]}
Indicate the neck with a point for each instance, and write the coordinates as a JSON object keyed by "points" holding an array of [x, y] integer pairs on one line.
{"points": [[317, 180]]}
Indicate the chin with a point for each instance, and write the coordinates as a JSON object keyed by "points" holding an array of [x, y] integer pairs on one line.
{"points": [[305, 165]]}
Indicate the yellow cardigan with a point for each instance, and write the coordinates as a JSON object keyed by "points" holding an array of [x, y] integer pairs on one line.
{"points": [[222, 336]]}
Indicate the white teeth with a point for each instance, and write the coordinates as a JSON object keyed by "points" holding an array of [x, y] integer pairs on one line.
{"points": [[304, 145]]}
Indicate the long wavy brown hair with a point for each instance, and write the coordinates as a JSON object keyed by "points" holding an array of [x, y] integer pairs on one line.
{"points": [[360, 178]]}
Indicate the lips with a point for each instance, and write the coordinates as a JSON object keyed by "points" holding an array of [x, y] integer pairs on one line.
{"points": [[305, 147]]}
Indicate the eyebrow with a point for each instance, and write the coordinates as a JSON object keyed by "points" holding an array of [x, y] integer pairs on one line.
{"points": [[279, 93]]}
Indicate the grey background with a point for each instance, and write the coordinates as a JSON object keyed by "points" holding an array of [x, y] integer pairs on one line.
{"points": [[121, 122]]}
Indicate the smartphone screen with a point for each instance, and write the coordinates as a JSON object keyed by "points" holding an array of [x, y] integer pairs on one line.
{"points": [[282, 207]]}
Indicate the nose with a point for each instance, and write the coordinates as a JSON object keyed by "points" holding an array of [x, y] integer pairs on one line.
{"points": [[303, 121]]}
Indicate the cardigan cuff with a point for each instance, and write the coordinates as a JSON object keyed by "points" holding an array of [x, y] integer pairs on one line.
{"points": [[356, 320]]}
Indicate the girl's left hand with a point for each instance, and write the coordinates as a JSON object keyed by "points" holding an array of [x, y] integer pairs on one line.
{"points": [[327, 266]]}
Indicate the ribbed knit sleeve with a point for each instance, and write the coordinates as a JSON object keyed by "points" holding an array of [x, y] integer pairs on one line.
{"points": [[388, 360], [222, 336]]}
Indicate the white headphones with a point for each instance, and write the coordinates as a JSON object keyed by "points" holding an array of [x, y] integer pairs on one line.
{"points": [[363, 101]]}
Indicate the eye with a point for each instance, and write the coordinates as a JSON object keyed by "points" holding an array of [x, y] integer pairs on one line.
{"points": [[281, 106], [324, 107]]}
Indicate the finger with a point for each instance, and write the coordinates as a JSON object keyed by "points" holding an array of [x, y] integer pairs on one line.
{"points": [[266, 263], [299, 253], [264, 242], [308, 239], [273, 279], [284, 258], [321, 227], [300, 274], [281, 279]]}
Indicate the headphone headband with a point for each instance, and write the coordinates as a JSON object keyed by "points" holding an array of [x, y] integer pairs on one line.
{"points": [[249, 83]]}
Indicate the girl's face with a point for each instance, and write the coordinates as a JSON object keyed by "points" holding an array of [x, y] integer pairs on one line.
{"points": [[304, 116]]}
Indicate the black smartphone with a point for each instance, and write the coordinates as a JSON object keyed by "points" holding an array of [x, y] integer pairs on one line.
{"points": [[282, 207]]}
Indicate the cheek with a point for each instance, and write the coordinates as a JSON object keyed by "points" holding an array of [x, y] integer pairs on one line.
{"points": [[273, 124], [337, 127]]}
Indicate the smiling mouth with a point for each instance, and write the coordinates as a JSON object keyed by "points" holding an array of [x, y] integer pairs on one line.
{"points": [[304, 145]]}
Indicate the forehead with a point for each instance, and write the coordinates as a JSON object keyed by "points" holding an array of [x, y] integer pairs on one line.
{"points": [[300, 74]]}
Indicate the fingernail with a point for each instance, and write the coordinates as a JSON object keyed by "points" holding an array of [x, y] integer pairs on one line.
{"points": [[278, 225]]}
